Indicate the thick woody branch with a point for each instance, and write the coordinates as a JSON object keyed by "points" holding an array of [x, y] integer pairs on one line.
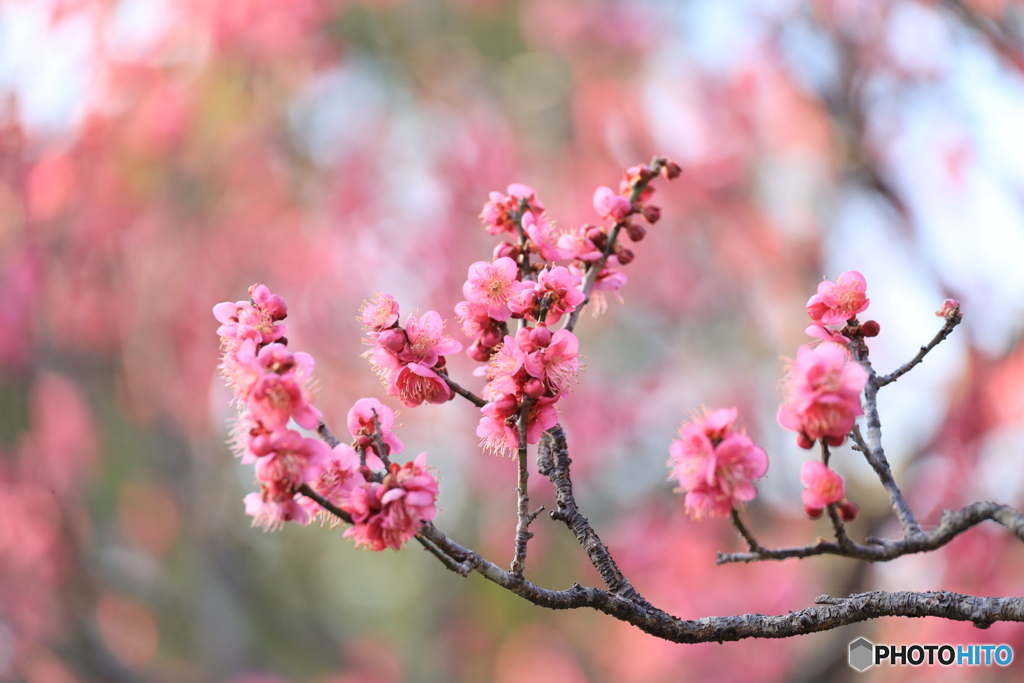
{"points": [[951, 322], [830, 613], [523, 533], [553, 462], [882, 550]]}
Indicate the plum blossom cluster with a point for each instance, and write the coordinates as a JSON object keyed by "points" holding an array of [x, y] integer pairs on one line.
{"points": [[715, 465], [824, 487], [822, 395], [526, 377], [408, 360], [838, 303], [272, 387]]}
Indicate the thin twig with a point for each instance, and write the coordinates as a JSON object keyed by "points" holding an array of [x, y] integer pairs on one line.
{"points": [[326, 435], [378, 440], [872, 445], [464, 393], [951, 323], [752, 543], [882, 550]]}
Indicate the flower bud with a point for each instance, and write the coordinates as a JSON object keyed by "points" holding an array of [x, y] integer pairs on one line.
{"points": [[636, 232], [671, 170], [625, 255], [507, 249], [491, 337], [870, 328], [652, 213], [479, 352], [534, 387], [540, 335], [813, 512], [597, 236], [950, 309], [393, 340], [364, 441], [506, 405], [848, 511]]}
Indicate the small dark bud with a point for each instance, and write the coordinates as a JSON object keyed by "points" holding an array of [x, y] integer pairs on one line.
{"points": [[870, 329], [508, 249], [625, 255], [671, 170], [635, 232], [848, 511], [652, 213]]}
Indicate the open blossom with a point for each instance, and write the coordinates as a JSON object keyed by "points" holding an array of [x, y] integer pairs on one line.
{"points": [[823, 395], [499, 427], [361, 422], [557, 287], [271, 510], [545, 236], [387, 514], [426, 340], [557, 363], [715, 465], [836, 302], [380, 313], [610, 205], [291, 461], [415, 383], [259, 318], [335, 479], [493, 284], [498, 213], [279, 390], [823, 488]]}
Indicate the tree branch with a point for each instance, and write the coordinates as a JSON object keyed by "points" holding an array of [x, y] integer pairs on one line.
{"points": [[464, 393], [882, 550], [523, 533], [553, 462], [951, 322]]}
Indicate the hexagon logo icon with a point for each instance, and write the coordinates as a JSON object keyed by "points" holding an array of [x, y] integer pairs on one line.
{"points": [[862, 654]]}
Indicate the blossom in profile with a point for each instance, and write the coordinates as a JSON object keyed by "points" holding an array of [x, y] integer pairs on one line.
{"points": [[414, 384], [545, 236], [824, 487], [836, 302], [822, 395], [271, 510], [715, 465], [609, 205], [386, 514]]}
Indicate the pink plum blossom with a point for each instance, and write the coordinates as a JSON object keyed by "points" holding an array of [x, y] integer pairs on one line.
{"points": [[499, 427], [292, 460], [823, 488], [545, 237], [256, 319], [823, 395], [427, 341], [950, 309], [557, 363], [280, 390], [336, 477], [389, 513], [837, 302], [498, 213], [503, 370], [715, 465], [610, 205], [271, 510], [558, 287], [415, 384], [824, 334], [361, 424], [575, 244], [492, 284], [380, 313]]}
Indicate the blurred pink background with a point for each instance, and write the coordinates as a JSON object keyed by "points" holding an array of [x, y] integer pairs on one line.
{"points": [[160, 156]]}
